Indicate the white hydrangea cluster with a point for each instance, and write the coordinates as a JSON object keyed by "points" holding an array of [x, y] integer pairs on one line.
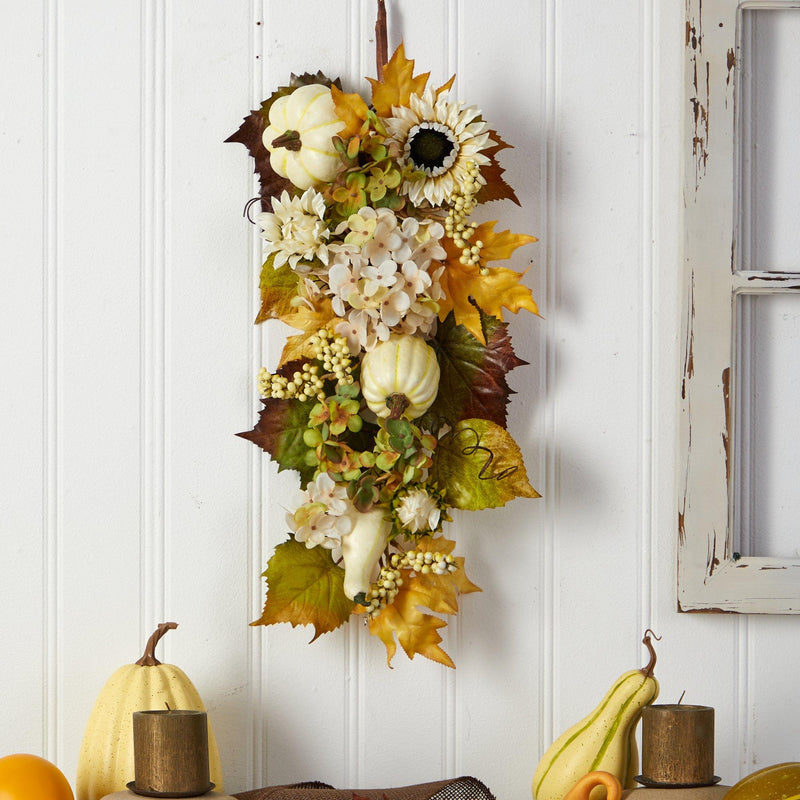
{"points": [[385, 277], [296, 231], [323, 515]]}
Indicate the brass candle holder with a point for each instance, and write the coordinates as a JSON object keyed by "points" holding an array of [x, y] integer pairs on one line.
{"points": [[170, 752], [677, 747]]}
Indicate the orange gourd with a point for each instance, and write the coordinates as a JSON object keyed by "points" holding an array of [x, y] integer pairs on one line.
{"points": [[27, 777], [582, 790]]}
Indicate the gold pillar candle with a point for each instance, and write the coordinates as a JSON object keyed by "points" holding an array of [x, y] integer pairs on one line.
{"points": [[170, 753], [677, 746]]}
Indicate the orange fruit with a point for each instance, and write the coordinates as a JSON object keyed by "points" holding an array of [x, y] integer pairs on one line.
{"points": [[27, 777]]}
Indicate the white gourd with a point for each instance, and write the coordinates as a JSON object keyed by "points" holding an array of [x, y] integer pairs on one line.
{"points": [[402, 371], [298, 137], [361, 549], [105, 763]]}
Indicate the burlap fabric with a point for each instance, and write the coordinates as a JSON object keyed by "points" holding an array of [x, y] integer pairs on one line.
{"points": [[465, 788]]}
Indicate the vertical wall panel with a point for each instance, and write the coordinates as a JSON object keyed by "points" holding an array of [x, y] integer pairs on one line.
{"points": [[499, 634], [97, 360], [24, 131], [207, 320], [598, 350]]}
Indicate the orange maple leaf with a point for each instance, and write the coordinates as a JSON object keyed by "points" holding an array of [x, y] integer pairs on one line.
{"points": [[398, 84], [499, 288], [415, 629], [352, 109]]}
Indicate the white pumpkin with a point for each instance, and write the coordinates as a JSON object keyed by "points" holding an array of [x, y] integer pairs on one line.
{"points": [[361, 549], [400, 377], [105, 763], [301, 126]]}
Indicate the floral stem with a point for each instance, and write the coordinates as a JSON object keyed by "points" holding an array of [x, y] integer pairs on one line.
{"points": [[381, 39]]}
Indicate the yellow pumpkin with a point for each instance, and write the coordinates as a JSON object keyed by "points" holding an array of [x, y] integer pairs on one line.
{"points": [[299, 136], [400, 377], [777, 782], [105, 763], [27, 777]]}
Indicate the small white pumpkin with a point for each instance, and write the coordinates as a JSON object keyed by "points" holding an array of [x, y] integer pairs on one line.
{"points": [[105, 763], [400, 377], [361, 549], [298, 137]]}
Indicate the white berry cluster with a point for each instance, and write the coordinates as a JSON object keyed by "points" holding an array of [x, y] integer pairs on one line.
{"points": [[303, 385], [463, 203], [383, 592], [334, 353]]}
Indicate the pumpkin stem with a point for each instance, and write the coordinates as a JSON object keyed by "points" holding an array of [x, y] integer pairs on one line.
{"points": [[397, 403], [651, 665], [289, 139], [148, 658], [381, 39]]}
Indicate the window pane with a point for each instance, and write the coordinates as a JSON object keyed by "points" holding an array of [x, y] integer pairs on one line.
{"points": [[767, 431], [769, 147]]}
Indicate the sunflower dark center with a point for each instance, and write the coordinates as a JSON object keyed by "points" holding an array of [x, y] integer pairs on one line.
{"points": [[433, 150]]}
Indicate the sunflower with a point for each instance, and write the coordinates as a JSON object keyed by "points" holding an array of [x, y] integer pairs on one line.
{"points": [[437, 137]]}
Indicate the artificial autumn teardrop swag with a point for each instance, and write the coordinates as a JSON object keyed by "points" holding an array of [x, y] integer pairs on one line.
{"points": [[391, 400]]}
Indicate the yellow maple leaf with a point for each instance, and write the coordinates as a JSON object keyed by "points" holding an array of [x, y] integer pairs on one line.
{"points": [[416, 630], [398, 84], [464, 284], [309, 316], [352, 109]]}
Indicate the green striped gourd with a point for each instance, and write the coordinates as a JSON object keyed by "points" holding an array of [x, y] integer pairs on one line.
{"points": [[603, 740]]}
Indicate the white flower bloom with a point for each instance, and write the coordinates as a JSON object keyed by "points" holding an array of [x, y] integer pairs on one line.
{"points": [[438, 137], [324, 514], [295, 230], [418, 512]]}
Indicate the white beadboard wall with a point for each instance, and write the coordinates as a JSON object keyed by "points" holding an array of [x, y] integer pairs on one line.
{"points": [[129, 358]]}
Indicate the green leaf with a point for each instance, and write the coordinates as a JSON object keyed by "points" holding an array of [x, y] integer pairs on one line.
{"points": [[279, 432], [278, 289], [305, 587], [473, 375], [481, 466]]}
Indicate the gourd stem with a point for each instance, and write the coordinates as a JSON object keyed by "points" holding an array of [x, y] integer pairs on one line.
{"points": [[148, 658], [651, 665], [289, 139], [397, 403], [381, 39]]}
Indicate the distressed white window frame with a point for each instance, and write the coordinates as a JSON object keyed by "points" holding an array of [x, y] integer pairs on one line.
{"points": [[711, 576]]}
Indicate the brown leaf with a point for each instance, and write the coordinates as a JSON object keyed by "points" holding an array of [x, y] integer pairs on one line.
{"points": [[251, 131], [250, 135], [496, 187]]}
